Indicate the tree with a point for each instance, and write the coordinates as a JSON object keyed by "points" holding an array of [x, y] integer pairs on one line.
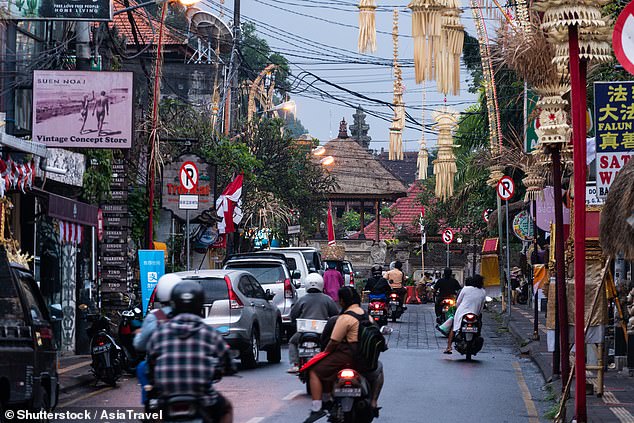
{"points": [[256, 55]]}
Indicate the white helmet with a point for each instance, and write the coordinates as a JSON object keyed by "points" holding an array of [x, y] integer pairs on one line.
{"points": [[315, 281], [165, 286]]}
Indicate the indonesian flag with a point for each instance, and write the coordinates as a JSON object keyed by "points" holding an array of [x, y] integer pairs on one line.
{"points": [[70, 233], [228, 206], [331, 228]]}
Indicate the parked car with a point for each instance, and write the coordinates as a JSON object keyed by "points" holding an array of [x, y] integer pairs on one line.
{"points": [[305, 260], [271, 270], [345, 268], [28, 358], [236, 302]]}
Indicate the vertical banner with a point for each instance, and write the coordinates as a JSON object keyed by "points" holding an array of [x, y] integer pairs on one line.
{"points": [[152, 267], [614, 115]]}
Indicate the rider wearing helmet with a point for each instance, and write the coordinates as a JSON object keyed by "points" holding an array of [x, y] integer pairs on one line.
{"points": [[377, 284], [163, 295], [186, 355], [314, 305]]}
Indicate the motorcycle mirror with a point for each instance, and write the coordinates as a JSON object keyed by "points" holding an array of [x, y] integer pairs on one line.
{"points": [[386, 330], [137, 310]]}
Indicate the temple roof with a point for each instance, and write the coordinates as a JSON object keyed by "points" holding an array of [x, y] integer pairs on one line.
{"points": [[358, 174]]}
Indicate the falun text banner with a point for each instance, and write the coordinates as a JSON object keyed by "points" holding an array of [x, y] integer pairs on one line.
{"points": [[614, 114]]}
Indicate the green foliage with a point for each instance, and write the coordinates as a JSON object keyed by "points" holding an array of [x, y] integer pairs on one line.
{"points": [[138, 207], [350, 220], [257, 54], [96, 182]]}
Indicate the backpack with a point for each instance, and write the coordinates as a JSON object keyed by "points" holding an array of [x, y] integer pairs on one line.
{"points": [[371, 342]]}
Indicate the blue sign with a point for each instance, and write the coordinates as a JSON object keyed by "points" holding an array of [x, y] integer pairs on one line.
{"points": [[152, 267]]}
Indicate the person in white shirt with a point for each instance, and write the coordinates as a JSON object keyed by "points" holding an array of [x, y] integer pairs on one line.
{"points": [[470, 300]]}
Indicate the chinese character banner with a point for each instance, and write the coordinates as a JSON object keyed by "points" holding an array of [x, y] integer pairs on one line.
{"points": [[614, 114]]}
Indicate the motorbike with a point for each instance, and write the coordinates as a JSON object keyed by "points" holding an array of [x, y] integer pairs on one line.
{"points": [[395, 309], [107, 356], [131, 320], [468, 341], [522, 292], [377, 309], [309, 344], [428, 295], [445, 304]]}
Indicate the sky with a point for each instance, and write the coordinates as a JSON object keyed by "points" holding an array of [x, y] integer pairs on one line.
{"points": [[314, 34]]}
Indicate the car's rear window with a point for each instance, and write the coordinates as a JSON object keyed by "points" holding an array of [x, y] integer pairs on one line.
{"points": [[265, 273], [311, 259], [11, 312], [215, 288]]}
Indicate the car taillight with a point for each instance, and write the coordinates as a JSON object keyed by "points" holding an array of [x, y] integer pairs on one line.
{"points": [[234, 301], [46, 333], [351, 279], [346, 374], [288, 290]]}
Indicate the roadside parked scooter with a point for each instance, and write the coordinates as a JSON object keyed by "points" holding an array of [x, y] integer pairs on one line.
{"points": [[131, 320], [107, 356], [522, 292], [468, 340]]}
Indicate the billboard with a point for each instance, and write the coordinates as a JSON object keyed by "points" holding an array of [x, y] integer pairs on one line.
{"points": [[614, 115], [76, 10], [75, 109]]}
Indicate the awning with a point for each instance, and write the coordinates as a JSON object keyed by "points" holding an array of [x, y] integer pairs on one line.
{"points": [[31, 147], [71, 211]]}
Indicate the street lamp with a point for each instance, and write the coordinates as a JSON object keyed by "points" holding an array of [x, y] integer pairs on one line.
{"points": [[327, 161], [319, 150]]}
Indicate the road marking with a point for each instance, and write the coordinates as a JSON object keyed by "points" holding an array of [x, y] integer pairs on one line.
{"points": [[622, 414], [83, 397], [73, 367], [533, 415], [292, 395], [256, 420], [609, 398]]}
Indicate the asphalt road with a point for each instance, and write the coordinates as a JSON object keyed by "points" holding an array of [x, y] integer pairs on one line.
{"points": [[421, 383]]}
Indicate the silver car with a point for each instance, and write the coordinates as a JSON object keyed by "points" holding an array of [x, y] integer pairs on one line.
{"points": [[235, 300], [273, 273]]}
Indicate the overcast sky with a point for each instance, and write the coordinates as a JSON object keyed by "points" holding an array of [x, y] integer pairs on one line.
{"points": [[330, 26]]}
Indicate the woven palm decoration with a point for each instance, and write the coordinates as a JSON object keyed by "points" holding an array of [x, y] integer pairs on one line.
{"points": [[448, 56], [398, 121], [535, 179], [426, 31], [367, 26], [445, 164]]}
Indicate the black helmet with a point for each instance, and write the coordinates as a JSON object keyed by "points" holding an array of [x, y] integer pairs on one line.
{"points": [[377, 270], [188, 297]]}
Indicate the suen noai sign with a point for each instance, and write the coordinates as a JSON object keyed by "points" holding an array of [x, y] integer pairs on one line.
{"points": [[614, 115], [188, 175]]}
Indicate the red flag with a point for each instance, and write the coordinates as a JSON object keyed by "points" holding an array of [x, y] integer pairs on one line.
{"points": [[331, 228], [228, 206]]}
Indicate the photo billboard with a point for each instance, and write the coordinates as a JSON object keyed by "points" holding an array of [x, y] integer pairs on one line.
{"points": [[75, 109], [76, 10]]}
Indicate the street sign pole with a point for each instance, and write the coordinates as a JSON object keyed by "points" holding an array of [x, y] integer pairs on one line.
{"points": [[187, 229], [508, 261]]}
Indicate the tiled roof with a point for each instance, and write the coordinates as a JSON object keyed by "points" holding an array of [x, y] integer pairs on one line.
{"points": [[405, 170], [407, 211], [146, 33]]}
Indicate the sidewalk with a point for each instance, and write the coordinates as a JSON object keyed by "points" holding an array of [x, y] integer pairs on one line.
{"points": [[74, 371], [617, 402]]}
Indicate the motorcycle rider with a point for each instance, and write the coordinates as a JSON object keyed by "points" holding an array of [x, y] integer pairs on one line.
{"points": [[446, 287], [377, 284], [186, 355], [470, 300], [396, 277], [314, 305], [342, 348]]}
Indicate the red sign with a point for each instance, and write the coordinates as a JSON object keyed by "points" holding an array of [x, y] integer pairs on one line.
{"points": [[447, 236], [486, 214], [99, 225], [188, 176], [622, 38], [506, 188]]}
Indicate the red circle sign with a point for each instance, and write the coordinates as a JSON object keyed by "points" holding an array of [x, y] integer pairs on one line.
{"points": [[486, 214], [506, 188], [623, 38], [447, 236], [188, 175]]}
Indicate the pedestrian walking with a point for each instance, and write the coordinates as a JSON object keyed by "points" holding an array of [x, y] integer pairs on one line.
{"points": [[333, 280]]}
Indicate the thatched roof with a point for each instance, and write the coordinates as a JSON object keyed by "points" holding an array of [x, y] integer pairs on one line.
{"points": [[358, 174], [616, 234]]}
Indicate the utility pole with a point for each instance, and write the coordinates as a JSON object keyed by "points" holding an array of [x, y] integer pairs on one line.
{"points": [[235, 98], [82, 45]]}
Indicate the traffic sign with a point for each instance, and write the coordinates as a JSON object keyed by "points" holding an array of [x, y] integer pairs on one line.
{"points": [[486, 214], [447, 236], [623, 38], [188, 176], [188, 202], [506, 188]]}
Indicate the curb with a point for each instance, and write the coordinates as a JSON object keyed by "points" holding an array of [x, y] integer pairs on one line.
{"points": [[76, 382]]}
